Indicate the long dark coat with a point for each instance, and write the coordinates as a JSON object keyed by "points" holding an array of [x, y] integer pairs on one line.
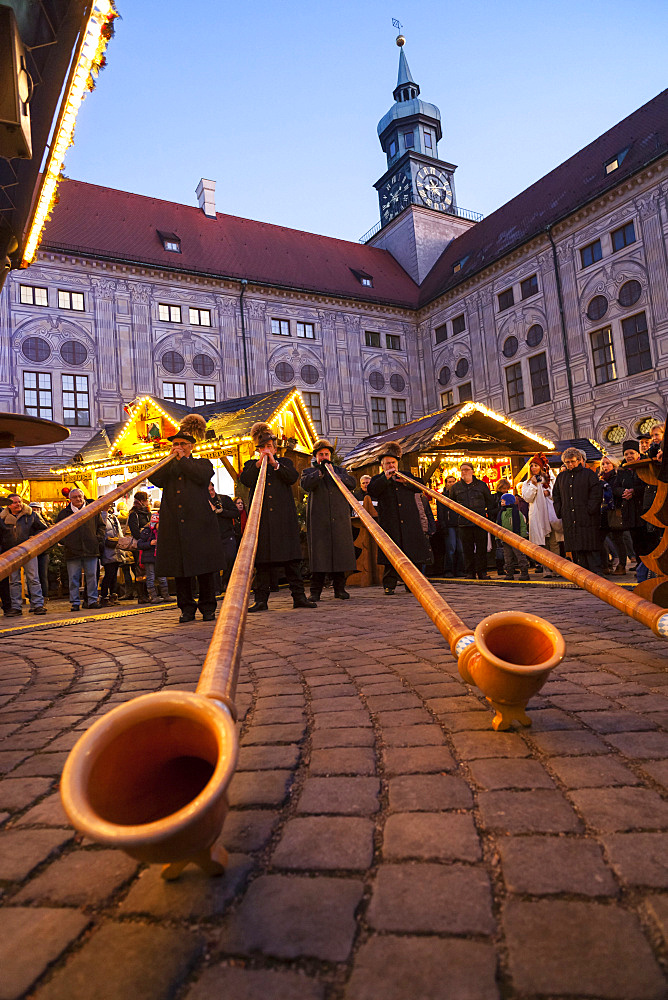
{"points": [[577, 496], [188, 538], [398, 516], [628, 479], [330, 535], [278, 540]]}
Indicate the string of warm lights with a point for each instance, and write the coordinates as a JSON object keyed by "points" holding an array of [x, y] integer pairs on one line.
{"points": [[472, 407], [90, 59], [133, 409]]}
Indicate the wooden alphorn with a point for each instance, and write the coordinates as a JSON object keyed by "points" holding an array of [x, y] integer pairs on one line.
{"points": [[151, 777], [636, 607], [510, 654], [16, 557]]}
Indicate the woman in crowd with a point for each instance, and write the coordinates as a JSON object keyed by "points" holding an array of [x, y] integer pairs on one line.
{"points": [[240, 523], [109, 556], [611, 517], [544, 526]]}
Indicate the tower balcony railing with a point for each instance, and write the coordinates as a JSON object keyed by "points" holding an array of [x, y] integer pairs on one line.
{"points": [[460, 213]]}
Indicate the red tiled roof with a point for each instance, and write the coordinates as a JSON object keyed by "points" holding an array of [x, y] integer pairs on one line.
{"points": [[106, 223], [575, 182]]}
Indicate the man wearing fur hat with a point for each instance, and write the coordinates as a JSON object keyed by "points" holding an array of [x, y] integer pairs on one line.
{"points": [[189, 542], [397, 514], [278, 539], [328, 527]]}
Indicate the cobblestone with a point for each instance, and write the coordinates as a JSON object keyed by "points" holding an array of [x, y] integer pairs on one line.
{"points": [[385, 843]]}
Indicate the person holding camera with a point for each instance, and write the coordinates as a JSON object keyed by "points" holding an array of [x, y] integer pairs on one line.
{"points": [[544, 525], [328, 528]]}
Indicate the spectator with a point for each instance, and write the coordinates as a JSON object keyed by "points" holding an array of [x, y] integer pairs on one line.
{"points": [[278, 541], [447, 520], [577, 496], [19, 522], [188, 540], [544, 527], [503, 486], [82, 548], [138, 518], [509, 517], [43, 557], [656, 434], [472, 493], [629, 493], [227, 515], [612, 533], [109, 555], [644, 443], [147, 545], [328, 528], [240, 523], [362, 489], [397, 514]]}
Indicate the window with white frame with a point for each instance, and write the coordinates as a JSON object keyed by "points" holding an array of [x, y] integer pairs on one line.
{"points": [[306, 330], [70, 300], [31, 295], [312, 403], [169, 314], [37, 395], [280, 327], [204, 394], [200, 317], [175, 392], [76, 401]]}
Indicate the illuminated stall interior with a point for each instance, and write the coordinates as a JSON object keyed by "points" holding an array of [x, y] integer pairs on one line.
{"points": [[122, 450], [435, 446]]}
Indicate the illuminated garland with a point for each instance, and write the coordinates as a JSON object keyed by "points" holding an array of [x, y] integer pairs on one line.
{"points": [[471, 407], [90, 60]]}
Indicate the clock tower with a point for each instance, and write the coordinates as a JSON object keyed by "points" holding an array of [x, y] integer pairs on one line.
{"points": [[416, 194]]}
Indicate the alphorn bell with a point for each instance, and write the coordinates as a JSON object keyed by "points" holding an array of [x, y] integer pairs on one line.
{"points": [[510, 654], [636, 607], [151, 777]]}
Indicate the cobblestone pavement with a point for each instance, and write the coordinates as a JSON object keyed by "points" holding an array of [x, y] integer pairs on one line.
{"points": [[385, 843]]}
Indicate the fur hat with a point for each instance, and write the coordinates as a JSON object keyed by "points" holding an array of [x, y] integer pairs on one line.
{"points": [[508, 499], [193, 429], [262, 434], [391, 450], [321, 443], [630, 446]]}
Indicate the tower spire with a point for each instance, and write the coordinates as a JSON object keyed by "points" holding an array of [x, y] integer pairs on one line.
{"points": [[406, 89]]}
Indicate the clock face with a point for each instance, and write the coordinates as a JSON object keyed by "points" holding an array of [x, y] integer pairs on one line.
{"points": [[434, 188], [395, 195]]}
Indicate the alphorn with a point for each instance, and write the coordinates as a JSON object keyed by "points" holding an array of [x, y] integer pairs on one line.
{"points": [[16, 557], [151, 776], [636, 607], [510, 654]]}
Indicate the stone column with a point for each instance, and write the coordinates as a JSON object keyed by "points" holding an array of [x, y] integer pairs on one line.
{"points": [[336, 393], [656, 253], [107, 363], [231, 348], [142, 338], [416, 381], [255, 311]]}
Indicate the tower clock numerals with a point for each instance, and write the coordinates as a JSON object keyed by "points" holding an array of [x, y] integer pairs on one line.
{"points": [[434, 189], [395, 196]]}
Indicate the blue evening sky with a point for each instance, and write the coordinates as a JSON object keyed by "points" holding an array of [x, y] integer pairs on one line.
{"points": [[279, 102]]}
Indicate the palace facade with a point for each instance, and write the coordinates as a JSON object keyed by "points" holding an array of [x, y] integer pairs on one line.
{"points": [[553, 310]]}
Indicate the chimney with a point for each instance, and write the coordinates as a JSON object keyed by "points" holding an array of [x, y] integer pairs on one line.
{"points": [[206, 197]]}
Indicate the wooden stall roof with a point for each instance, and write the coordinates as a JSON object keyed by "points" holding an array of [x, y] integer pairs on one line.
{"points": [[14, 467], [456, 427], [229, 420]]}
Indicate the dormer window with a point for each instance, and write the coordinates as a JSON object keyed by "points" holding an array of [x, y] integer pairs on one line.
{"points": [[458, 264], [615, 162], [170, 241], [363, 278]]}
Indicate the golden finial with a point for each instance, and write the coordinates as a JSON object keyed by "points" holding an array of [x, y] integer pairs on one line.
{"points": [[400, 38]]}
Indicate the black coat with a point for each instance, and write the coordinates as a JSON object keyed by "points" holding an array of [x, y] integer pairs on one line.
{"points": [[475, 495], [328, 528], [577, 496], [278, 540], [628, 479], [84, 542], [138, 518], [227, 513], [398, 516], [445, 517], [188, 538]]}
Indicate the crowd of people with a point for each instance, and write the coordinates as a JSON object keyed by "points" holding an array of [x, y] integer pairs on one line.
{"points": [[592, 516]]}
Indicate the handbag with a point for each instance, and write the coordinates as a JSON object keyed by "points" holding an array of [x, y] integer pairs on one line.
{"points": [[615, 519], [126, 543]]}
